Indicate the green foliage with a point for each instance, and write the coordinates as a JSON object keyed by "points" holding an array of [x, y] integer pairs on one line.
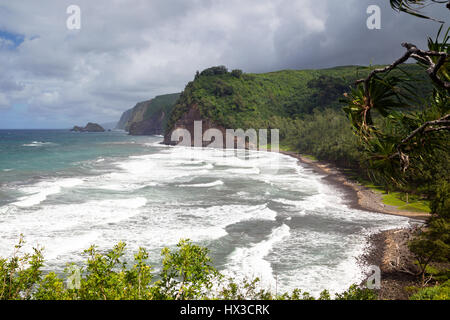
{"points": [[326, 135], [433, 244], [357, 293], [187, 273], [213, 71], [20, 274], [161, 105], [441, 204], [390, 114], [406, 146], [327, 91], [247, 289], [441, 292], [237, 73]]}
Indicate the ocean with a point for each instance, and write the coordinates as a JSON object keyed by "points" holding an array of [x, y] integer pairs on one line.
{"points": [[66, 191]]}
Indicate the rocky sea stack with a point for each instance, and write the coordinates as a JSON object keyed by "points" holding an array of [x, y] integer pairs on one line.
{"points": [[90, 127]]}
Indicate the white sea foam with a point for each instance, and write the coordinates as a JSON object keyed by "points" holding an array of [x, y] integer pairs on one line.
{"points": [[40, 191], [38, 144], [204, 185], [67, 217], [223, 216], [293, 203], [250, 262], [252, 171]]}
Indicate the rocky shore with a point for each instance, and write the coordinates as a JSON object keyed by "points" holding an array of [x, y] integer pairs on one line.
{"points": [[389, 250]]}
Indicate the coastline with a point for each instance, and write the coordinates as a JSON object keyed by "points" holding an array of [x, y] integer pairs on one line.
{"points": [[386, 249], [389, 251], [357, 196]]}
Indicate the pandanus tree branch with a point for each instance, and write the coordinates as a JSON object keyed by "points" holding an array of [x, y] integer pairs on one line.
{"points": [[443, 125], [414, 7], [419, 55], [424, 57]]}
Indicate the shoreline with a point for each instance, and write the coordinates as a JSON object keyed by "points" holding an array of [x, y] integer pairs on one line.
{"points": [[357, 196], [389, 251], [386, 249]]}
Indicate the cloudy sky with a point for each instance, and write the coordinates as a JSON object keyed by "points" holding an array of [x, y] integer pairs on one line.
{"points": [[129, 51]]}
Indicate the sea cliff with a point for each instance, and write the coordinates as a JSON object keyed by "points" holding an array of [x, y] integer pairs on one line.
{"points": [[148, 117]]}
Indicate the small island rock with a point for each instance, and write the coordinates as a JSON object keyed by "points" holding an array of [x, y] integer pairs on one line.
{"points": [[90, 127]]}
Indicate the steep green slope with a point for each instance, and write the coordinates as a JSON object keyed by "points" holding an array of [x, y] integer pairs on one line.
{"points": [[161, 104], [149, 117], [121, 124], [233, 99]]}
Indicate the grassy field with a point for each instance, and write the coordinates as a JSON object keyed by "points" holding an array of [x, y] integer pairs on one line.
{"points": [[401, 201]]}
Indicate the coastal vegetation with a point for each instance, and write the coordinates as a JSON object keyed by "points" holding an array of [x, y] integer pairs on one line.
{"points": [[409, 146], [270, 100], [187, 273]]}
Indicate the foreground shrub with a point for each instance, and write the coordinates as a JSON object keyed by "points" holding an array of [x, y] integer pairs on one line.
{"points": [[441, 292], [187, 273]]}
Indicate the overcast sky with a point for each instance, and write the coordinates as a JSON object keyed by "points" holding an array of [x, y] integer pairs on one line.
{"points": [[130, 51]]}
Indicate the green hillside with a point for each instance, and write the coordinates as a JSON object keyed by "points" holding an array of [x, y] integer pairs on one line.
{"points": [[234, 99], [159, 104], [149, 117]]}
